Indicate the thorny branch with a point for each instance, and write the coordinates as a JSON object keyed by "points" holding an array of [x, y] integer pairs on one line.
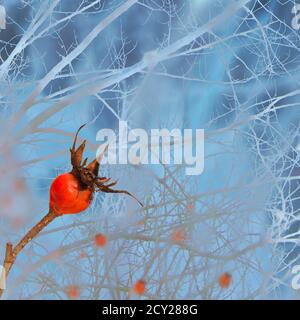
{"points": [[13, 251]]}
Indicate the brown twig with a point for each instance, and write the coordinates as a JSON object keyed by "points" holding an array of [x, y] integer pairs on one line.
{"points": [[12, 252]]}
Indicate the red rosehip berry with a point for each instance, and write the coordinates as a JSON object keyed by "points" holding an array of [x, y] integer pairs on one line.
{"points": [[178, 236], [100, 240], [67, 196], [139, 287], [73, 292], [225, 280], [73, 192]]}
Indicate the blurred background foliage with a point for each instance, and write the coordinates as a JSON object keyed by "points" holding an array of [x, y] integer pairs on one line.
{"points": [[230, 67]]}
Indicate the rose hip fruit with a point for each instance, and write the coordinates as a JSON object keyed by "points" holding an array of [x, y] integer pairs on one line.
{"points": [[72, 192], [67, 196]]}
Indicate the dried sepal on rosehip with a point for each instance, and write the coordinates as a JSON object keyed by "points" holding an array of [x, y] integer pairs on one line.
{"points": [[73, 192]]}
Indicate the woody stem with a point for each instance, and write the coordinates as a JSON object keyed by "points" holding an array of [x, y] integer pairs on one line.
{"points": [[12, 252]]}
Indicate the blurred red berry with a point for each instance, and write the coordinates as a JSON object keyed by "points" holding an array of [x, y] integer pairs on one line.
{"points": [[7, 202], [73, 292], [190, 206], [17, 222], [141, 222], [20, 185], [225, 280], [178, 236], [139, 287], [100, 240], [83, 254]]}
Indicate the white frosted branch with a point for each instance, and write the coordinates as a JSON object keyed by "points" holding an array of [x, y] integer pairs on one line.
{"points": [[76, 52], [121, 75]]}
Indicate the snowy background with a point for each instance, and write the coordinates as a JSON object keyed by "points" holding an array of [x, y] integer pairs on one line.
{"points": [[230, 67]]}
